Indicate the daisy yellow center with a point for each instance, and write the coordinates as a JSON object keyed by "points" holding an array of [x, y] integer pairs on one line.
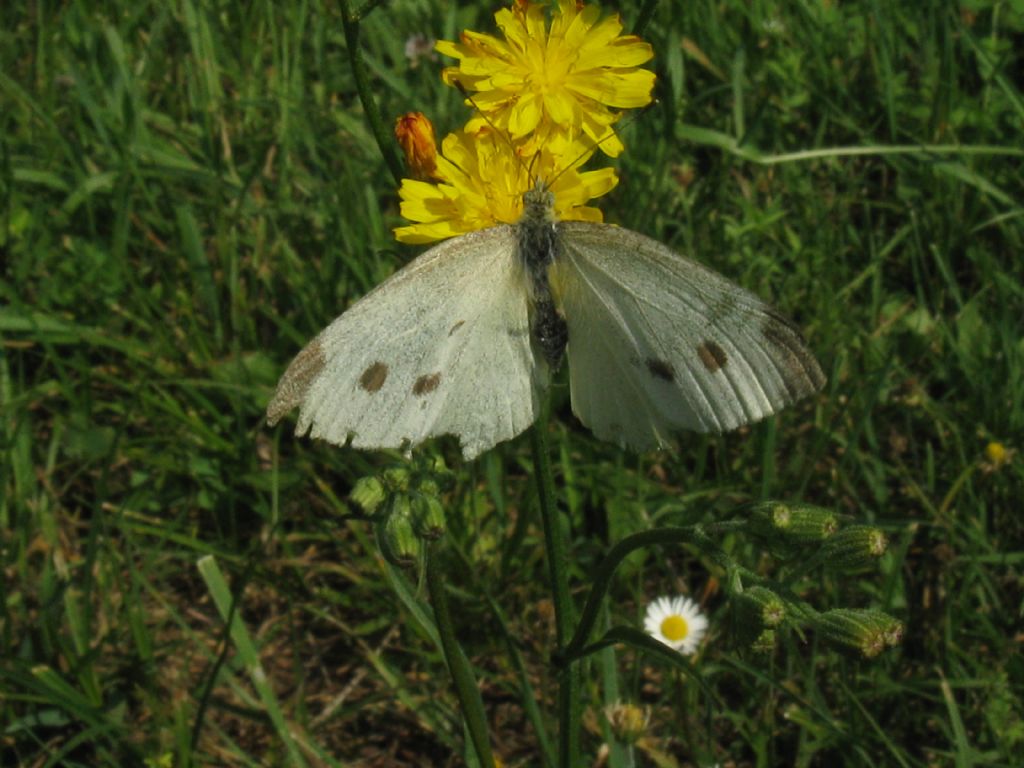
{"points": [[675, 628]]}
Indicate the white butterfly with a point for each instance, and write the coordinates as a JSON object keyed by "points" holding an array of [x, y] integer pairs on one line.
{"points": [[462, 339]]}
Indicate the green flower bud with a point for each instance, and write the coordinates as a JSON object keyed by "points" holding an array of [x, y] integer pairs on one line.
{"points": [[760, 607], [853, 548], [428, 487], [435, 475], [756, 613], [793, 522], [398, 541], [396, 479], [892, 630], [367, 494], [764, 642], [865, 631], [428, 517]]}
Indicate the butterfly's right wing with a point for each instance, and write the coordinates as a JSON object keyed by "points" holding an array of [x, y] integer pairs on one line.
{"points": [[660, 343], [441, 347]]}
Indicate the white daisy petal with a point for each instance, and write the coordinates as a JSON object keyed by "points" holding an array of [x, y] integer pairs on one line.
{"points": [[677, 622]]}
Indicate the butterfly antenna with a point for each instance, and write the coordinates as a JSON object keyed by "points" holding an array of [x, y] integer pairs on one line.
{"points": [[576, 161]]}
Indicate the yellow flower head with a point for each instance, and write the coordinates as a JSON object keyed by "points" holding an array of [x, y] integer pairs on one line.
{"points": [[629, 722], [415, 134], [553, 85], [996, 453], [997, 456], [482, 180]]}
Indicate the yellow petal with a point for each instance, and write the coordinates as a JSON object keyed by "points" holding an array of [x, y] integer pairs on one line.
{"points": [[616, 89], [583, 213], [524, 116], [601, 34], [562, 111], [625, 52]]}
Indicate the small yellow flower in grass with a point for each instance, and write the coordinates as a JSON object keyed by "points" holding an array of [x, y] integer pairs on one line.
{"points": [[628, 721], [482, 183], [555, 83], [415, 134], [677, 622], [997, 454]]}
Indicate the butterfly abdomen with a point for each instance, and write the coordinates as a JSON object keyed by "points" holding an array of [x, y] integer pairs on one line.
{"points": [[537, 244], [550, 331]]}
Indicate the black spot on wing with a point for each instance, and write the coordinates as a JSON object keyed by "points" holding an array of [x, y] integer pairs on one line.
{"points": [[712, 355], [660, 369], [426, 384], [373, 378]]}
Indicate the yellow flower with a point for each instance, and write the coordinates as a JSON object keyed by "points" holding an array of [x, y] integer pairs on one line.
{"points": [[996, 453], [997, 456], [415, 134], [482, 183], [628, 721], [553, 85]]}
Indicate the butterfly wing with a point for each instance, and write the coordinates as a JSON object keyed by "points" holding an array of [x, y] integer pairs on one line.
{"points": [[659, 343], [441, 347]]}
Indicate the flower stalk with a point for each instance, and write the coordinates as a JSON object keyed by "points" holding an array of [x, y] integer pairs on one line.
{"points": [[381, 134], [569, 678], [466, 689]]}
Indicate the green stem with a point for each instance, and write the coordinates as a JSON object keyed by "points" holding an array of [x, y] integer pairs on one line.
{"points": [[458, 665], [384, 139], [646, 13], [569, 679]]}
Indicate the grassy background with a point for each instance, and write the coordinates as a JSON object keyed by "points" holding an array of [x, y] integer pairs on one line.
{"points": [[188, 192]]}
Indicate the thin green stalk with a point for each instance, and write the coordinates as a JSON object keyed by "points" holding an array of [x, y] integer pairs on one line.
{"points": [[245, 645], [569, 682], [729, 143], [458, 665], [380, 132], [646, 14]]}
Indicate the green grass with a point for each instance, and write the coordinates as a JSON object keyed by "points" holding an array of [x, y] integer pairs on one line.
{"points": [[189, 192]]}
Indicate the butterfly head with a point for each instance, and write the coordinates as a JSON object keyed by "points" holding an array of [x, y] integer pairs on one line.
{"points": [[539, 204]]}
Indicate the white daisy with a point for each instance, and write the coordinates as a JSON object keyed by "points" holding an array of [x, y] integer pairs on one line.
{"points": [[677, 622]]}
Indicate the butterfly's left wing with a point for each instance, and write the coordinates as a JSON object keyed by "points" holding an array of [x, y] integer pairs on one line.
{"points": [[659, 343], [441, 347]]}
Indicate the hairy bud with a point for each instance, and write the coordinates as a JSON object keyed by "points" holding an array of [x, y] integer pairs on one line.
{"points": [[368, 494], [866, 631], [854, 548], [793, 522]]}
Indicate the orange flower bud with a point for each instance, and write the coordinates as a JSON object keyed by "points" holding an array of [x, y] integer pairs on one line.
{"points": [[415, 134]]}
